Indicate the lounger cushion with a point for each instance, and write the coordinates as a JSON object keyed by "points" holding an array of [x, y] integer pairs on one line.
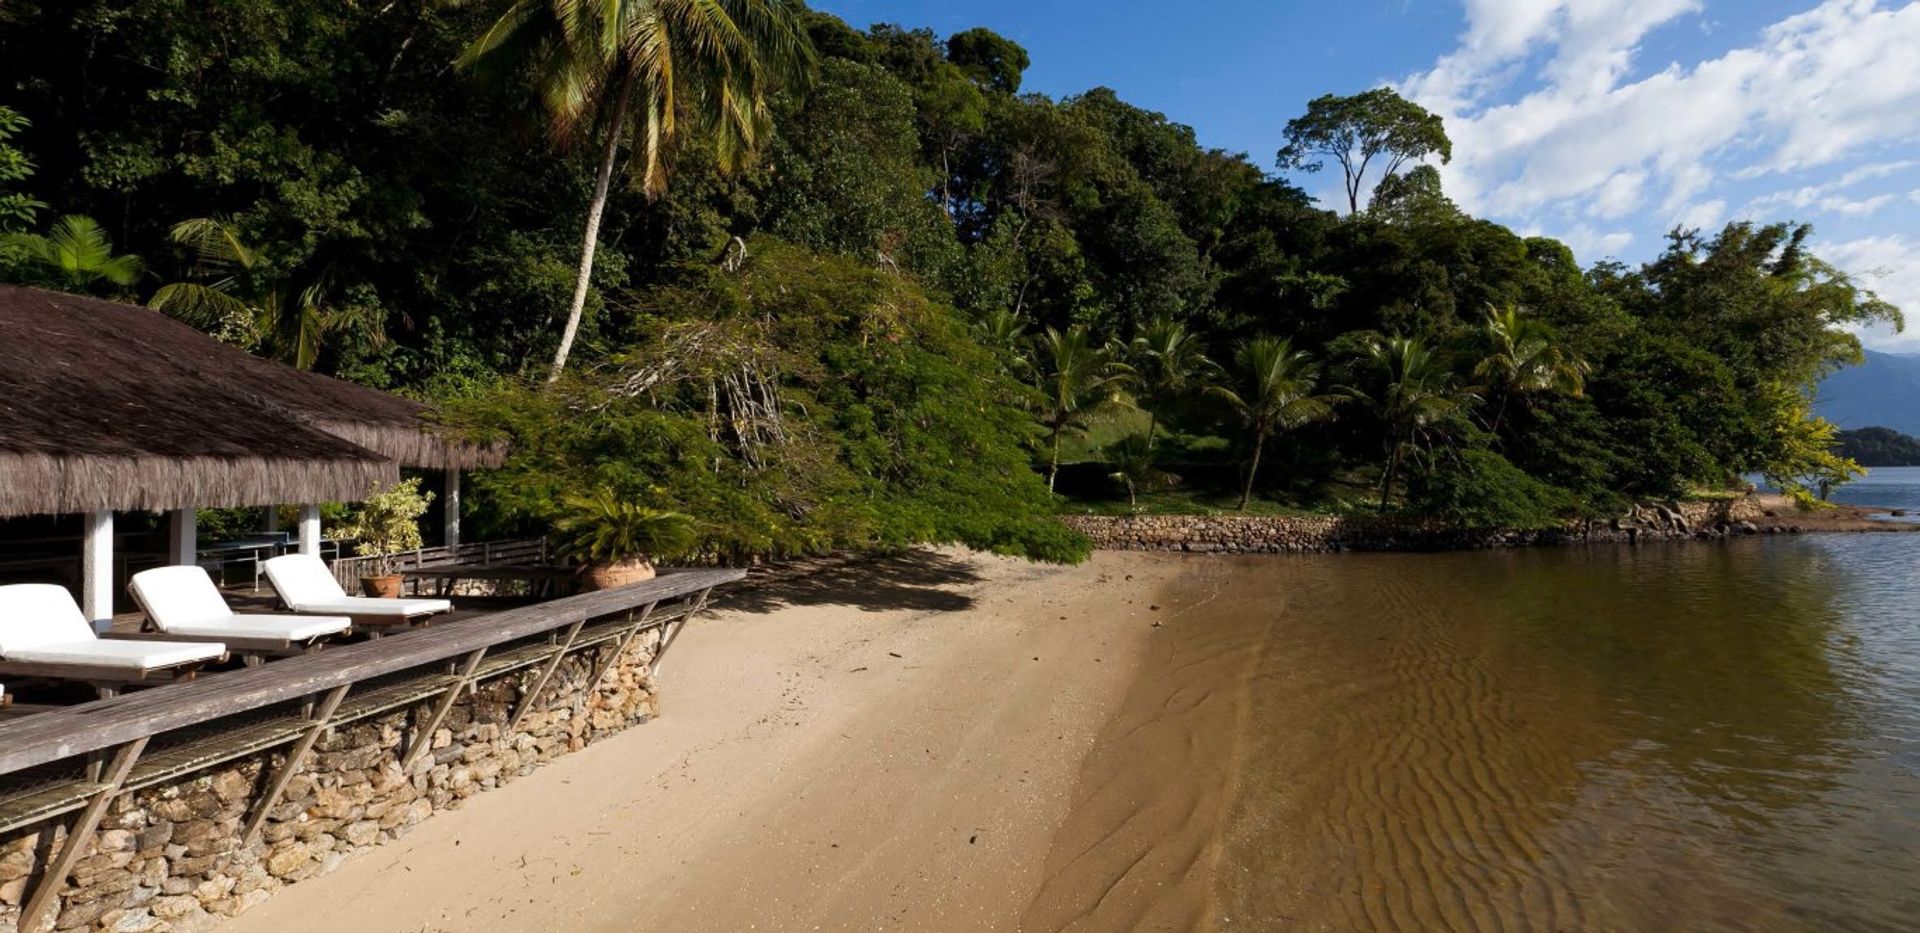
{"points": [[286, 628], [175, 596], [365, 606], [306, 585], [34, 614], [131, 655], [184, 601]]}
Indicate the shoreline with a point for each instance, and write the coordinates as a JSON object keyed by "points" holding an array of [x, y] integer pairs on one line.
{"points": [[1754, 514], [893, 742]]}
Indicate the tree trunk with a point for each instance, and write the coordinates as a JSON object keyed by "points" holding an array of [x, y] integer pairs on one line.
{"points": [[1153, 421], [1386, 479], [1499, 415], [1053, 467], [1246, 491], [591, 238], [1133, 496]]}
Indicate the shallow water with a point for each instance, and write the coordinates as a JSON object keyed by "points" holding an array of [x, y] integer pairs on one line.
{"points": [[1692, 736]]}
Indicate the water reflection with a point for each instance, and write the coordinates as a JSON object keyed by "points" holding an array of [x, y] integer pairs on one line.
{"points": [[1695, 736]]}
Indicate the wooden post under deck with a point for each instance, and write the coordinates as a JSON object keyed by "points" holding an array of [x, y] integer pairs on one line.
{"points": [[318, 721], [55, 877]]}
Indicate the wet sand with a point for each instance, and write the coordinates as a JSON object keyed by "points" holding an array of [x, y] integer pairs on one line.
{"points": [[883, 745]]}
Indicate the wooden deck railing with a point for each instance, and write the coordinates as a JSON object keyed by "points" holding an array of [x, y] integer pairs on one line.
{"points": [[349, 570], [82, 757]]}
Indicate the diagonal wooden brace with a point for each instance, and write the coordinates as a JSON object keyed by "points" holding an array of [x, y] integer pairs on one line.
{"points": [[626, 640], [423, 735], [55, 877], [317, 722], [673, 628], [546, 673]]}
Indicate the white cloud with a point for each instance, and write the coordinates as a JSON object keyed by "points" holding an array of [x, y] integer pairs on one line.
{"points": [[1839, 81], [1890, 265], [1707, 215], [1590, 245]]}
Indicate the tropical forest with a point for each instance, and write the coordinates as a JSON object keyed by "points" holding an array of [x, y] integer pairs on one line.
{"points": [[825, 285]]}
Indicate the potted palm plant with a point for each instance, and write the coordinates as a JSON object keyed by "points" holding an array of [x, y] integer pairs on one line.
{"points": [[387, 524], [616, 541]]}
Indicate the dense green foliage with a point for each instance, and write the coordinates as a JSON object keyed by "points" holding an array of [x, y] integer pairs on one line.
{"points": [[865, 313], [1878, 447]]}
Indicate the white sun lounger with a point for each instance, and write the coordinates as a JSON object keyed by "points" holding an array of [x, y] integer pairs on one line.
{"points": [[306, 586], [182, 604], [43, 634]]}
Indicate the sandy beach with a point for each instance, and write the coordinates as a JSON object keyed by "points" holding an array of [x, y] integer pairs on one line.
{"points": [[880, 745]]}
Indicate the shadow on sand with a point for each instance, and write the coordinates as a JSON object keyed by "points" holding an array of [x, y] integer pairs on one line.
{"points": [[912, 580]]}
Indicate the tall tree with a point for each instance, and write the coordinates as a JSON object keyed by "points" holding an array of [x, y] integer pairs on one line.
{"points": [[1076, 377], [1354, 131], [1274, 392], [1413, 393], [986, 56], [646, 65], [73, 255], [1169, 363]]}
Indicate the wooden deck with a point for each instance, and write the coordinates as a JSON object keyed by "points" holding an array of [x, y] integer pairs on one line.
{"points": [[77, 759]]}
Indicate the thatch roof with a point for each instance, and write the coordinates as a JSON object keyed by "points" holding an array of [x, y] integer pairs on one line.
{"points": [[113, 406]]}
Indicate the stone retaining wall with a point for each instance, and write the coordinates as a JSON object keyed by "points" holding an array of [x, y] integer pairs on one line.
{"points": [[1251, 534], [169, 858]]}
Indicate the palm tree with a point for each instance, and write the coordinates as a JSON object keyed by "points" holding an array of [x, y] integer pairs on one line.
{"points": [[243, 300], [1523, 359], [1413, 392], [1169, 363], [1004, 332], [75, 254], [1075, 378], [1273, 392], [612, 65], [1132, 460]]}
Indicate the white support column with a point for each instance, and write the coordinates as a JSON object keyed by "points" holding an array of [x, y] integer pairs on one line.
{"points": [[310, 530], [451, 509], [96, 569], [183, 534]]}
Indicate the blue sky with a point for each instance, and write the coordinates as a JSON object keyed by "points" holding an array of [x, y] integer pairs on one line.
{"points": [[1601, 122]]}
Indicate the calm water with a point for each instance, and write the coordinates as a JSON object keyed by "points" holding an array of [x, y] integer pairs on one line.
{"points": [[1686, 737], [1893, 487]]}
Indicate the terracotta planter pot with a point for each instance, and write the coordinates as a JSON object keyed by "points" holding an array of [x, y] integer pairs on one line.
{"points": [[608, 576], [387, 587]]}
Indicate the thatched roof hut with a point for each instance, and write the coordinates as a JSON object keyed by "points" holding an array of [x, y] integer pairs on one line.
{"points": [[107, 406]]}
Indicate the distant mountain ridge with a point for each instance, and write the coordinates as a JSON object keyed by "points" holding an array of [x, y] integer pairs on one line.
{"points": [[1882, 392]]}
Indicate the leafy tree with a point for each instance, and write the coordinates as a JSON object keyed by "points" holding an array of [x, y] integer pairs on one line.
{"points": [[1802, 461], [1523, 358], [1076, 378], [1169, 363], [17, 209], [989, 58], [1478, 488], [1274, 392], [73, 255], [598, 67], [1354, 131], [1413, 394]]}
